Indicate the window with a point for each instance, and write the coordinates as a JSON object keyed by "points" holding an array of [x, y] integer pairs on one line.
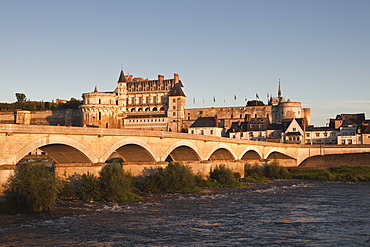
{"points": [[173, 100], [349, 141], [317, 134], [147, 100], [99, 115], [192, 131], [174, 107], [202, 132], [99, 101], [294, 129], [307, 134], [174, 114], [343, 142], [211, 132], [241, 134], [332, 134]]}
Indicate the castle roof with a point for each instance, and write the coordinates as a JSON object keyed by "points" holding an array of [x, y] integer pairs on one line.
{"points": [[121, 77], [205, 122], [177, 90]]}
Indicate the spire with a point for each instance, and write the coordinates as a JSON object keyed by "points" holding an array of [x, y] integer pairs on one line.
{"points": [[95, 89], [279, 91], [122, 77]]}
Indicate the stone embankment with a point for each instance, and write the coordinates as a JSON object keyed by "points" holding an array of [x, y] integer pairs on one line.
{"points": [[336, 160]]}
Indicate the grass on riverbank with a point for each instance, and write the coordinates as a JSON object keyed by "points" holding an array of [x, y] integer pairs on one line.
{"points": [[342, 173]]}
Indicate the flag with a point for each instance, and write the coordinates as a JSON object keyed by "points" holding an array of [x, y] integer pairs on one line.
{"points": [[234, 97], [257, 96], [224, 99], [194, 100], [214, 99], [245, 98], [203, 100]]}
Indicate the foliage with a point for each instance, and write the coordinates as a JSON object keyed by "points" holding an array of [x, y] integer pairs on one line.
{"points": [[71, 187], [20, 97], [275, 171], [32, 188], [115, 183], [255, 103], [23, 104], [90, 189], [175, 177], [342, 173], [222, 176]]}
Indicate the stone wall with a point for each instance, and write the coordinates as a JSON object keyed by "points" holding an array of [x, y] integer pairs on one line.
{"points": [[336, 160], [229, 114], [6, 117], [49, 117]]}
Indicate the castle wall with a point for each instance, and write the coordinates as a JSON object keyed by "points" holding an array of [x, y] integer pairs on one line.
{"points": [[6, 117], [228, 114]]}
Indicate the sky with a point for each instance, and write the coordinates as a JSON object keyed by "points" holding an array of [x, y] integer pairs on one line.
{"points": [[318, 49]]}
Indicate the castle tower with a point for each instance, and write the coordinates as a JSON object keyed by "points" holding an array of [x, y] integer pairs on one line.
{"points": [[280, 95], [121, 92], [176, 105]]}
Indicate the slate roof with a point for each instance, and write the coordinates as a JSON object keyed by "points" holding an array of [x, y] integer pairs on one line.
{"points": [[366, 130], [204, 122], [177, 90], [351, 119], [121, 77], [286, 123]]}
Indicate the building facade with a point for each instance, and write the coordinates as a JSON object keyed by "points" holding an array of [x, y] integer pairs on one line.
{"points": [[137, 103], [161, 105]]}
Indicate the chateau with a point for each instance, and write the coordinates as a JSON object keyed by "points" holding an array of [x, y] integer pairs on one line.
{"points": [[160, 104]]}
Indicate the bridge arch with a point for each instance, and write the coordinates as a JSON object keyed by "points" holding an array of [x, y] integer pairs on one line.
{"points": [[251, 153], [284, 159], [221, 152], [61, 149], [128, 146], [182, 151]]}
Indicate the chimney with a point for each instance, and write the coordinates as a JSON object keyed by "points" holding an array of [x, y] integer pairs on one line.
{"points": [[160, 78], [176, 78], [216, 120]]}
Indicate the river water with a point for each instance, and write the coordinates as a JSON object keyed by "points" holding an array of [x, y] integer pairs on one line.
{"points": [[283, 213]]}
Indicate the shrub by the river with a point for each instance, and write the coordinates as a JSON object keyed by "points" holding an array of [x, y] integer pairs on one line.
{"points": [[90, 189], [254, 174], [342, 173], [275, 171], [175, 177], [222, 176], [116, 184], [112, 184], [32, 188]]}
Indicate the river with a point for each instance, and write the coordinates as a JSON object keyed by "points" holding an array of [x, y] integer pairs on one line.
{"points": [[283, 213]]}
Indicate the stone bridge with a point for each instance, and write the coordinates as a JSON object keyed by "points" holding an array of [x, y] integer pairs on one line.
{"points": [[79, 149]]}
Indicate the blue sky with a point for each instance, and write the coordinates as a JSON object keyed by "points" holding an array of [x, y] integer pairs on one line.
{"points": [[320, 50]]}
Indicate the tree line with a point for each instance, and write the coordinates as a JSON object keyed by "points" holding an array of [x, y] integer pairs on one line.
{"points": [[23, 103]]}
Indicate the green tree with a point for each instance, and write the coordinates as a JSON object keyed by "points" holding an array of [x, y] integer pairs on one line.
{"points": [[20, 97], [255, 103], [116, 184], [32, 188], [223, 175], [175, 177], [90, 189]]}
